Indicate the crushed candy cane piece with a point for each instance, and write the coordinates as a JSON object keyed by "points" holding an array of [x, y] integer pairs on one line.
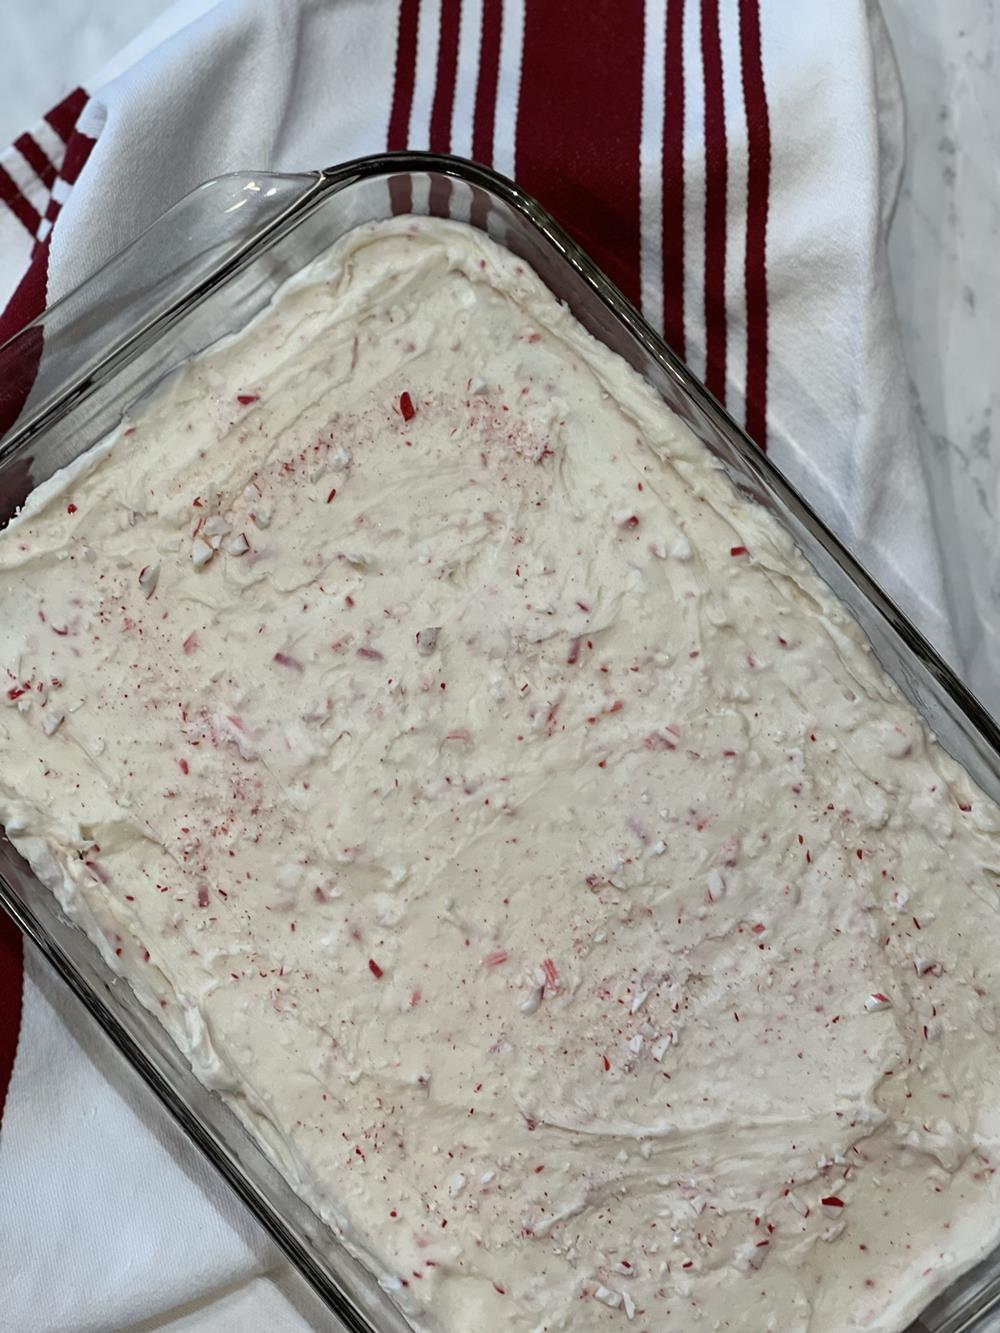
{"points": [[638, 1000], [201, 552], [237, 545], [635, 1044], [456, 1184], [530, 1005], [149, 576], [832, 1205], [52, 720], [877, 1001], [925, 965], [716, 885], [754, 1253], [628, 1304], [659, 1048], [612, 1299]]}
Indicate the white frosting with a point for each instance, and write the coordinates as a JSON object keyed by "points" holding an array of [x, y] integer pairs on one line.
{"points": [[506, 820]]}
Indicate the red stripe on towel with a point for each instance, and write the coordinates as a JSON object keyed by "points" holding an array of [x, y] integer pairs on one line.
{"points": [[758, 188], [579, 125]]}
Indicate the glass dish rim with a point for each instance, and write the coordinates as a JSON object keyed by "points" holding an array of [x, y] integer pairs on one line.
{"points": [[317, 186]]}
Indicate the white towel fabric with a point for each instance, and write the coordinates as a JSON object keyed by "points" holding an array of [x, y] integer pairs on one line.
{"points": [[785, 142]]}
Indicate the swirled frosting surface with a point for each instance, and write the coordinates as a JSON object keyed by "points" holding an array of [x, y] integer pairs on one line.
{"points": [[507, 822]]}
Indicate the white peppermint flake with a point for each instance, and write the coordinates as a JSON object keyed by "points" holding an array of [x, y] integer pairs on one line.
{"points": [[716, 885], [612, 1299], [629, 1304], [427, 640], [456, 1184], [201, 552], [149, 576], [52, 720], [659, 1048], [635, 1044], [531, 1004], [638, 1000], [238, 545]]}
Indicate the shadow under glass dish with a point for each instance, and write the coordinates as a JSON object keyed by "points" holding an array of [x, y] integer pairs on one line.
{"points": [[203, 271]]}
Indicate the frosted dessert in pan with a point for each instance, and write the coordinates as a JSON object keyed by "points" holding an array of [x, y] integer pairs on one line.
{"points": [[507, 822]]}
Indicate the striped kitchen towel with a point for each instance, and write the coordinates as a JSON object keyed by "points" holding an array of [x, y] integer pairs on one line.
{"points": [[731, 164]]}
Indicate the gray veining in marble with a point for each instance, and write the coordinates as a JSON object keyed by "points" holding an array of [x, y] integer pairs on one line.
{"points": [[944, 252]]}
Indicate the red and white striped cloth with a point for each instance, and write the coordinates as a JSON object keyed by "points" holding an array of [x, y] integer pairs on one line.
{"points": [[732, 164]]}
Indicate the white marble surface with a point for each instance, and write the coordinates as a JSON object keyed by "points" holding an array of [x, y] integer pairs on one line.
{"points": [[944, 252]]}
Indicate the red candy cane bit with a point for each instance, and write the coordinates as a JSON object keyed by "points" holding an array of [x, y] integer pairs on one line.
{"points": [[332, 495], [71, 509], [370, 655], [656, 740], [245, 399], [406, 409], [495, 958], [738, 550], [184, 766], [607, 1063], [832, 1201], [374, 969], [202, 895], [190, 643], [283, 659], [497, 1287], [551, 972]]}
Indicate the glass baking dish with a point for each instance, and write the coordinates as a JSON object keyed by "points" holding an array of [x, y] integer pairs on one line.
{"points": [[202, 271]]}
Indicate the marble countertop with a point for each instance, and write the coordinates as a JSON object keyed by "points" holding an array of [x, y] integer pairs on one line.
{"points": [[944, 253]]}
